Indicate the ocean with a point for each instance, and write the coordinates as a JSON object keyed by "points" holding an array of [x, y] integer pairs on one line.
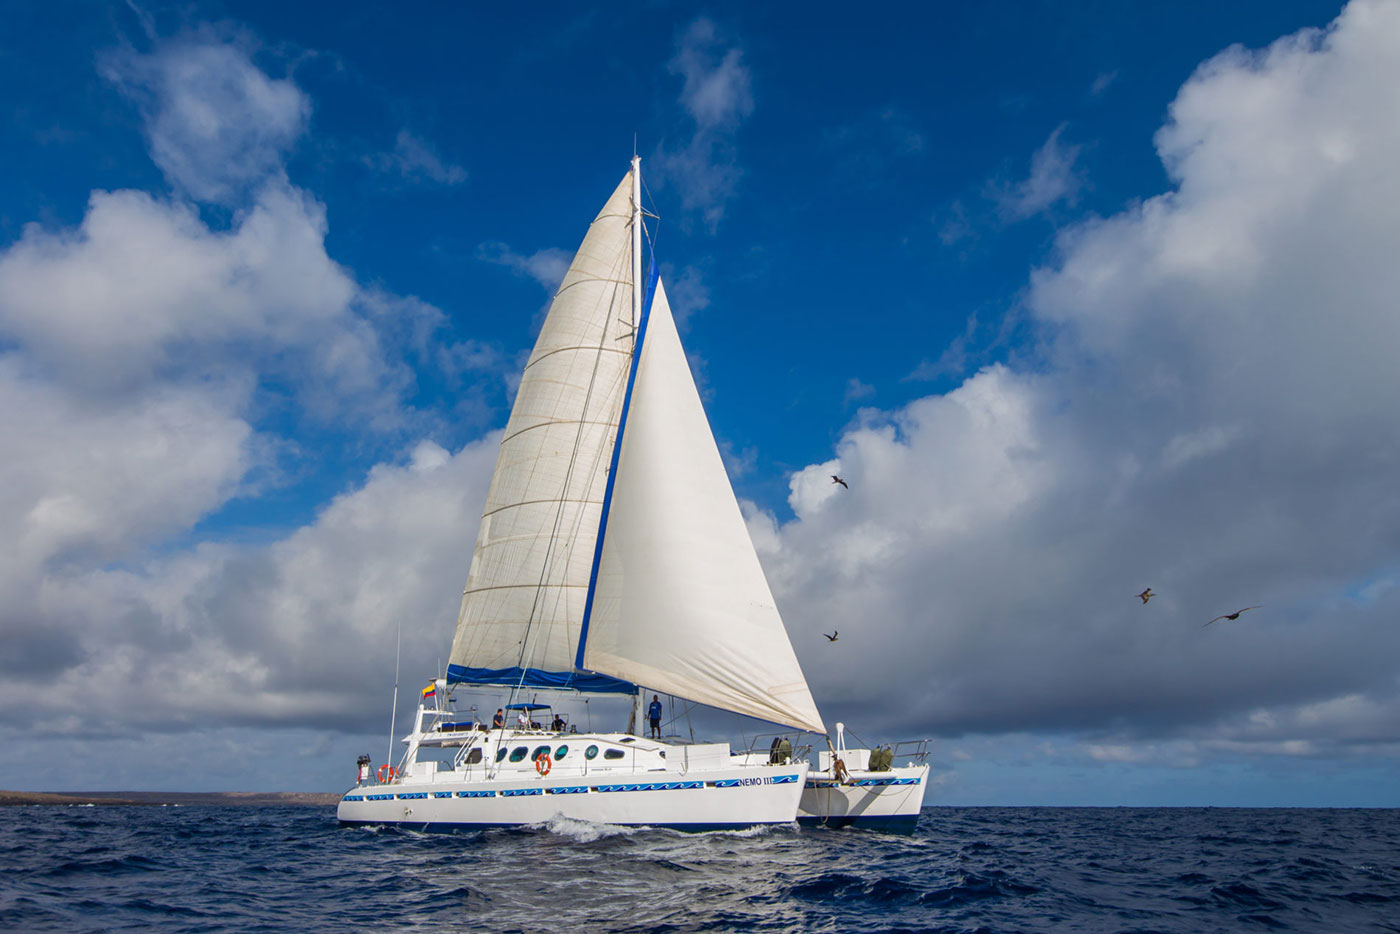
{"points": [[265, 869]]}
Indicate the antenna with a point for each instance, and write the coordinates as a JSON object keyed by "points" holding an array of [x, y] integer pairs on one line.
{"points": [[394, 713]]}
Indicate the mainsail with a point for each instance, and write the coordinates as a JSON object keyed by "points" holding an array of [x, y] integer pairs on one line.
{"points": [[522, 609], [679, 601]]}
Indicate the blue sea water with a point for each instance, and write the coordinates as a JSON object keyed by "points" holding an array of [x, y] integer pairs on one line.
{"points": [[213, 869]]}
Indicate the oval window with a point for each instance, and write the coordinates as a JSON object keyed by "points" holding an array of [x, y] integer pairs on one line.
{"points": [[591, 752], [474, 756], [614, 754], [518, 753], [561, 752], [539, 753], [500, 753]]}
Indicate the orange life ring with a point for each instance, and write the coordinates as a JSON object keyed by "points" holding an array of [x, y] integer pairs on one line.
{"points": [[543, 764], [388, 770]]}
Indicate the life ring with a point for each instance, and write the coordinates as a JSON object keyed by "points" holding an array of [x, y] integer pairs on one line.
{"points": [[543, 764], [386, 770]]}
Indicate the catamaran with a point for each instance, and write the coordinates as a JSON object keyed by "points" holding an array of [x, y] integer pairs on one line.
{"points": [[611, 555]]}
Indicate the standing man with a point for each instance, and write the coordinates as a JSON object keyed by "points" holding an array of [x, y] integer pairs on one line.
{"points": [[499, 720], [654, 715]]}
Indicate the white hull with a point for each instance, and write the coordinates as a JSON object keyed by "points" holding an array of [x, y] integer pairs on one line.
{"points": [[888, 800], [632, 782], [712, 800]]}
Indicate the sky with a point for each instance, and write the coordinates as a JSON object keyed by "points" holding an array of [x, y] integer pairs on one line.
{"points": [[1078, 299]]}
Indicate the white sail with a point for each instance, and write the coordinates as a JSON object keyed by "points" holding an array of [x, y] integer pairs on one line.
{"points": [[681, 604], [524, 599]]}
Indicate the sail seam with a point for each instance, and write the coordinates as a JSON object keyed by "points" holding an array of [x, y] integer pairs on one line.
{"points": [[557, 421], [581, 281], [530, 586], [556, 350]]}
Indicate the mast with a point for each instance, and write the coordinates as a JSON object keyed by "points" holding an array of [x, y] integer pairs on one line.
{"points": [[636, 243]]}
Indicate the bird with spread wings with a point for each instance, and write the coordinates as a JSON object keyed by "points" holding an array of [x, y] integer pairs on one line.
{"points": [[1231, 616]]}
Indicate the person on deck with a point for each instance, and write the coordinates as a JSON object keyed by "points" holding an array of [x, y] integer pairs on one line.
{"points": [[499, 720], [654, 715]]}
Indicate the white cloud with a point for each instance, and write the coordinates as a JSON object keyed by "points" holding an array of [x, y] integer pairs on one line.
{"points": [[1053, 179], [716, 90], [856, 391], [1209, 413], [286, 634], [686, 291], [216, 123], [139, 351], [716, 93], [142, 285], [547, 266], [415, 160], [1102, 82]]}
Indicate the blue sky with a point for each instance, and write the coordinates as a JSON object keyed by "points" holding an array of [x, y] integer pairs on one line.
{"points": [[1081, 298]]}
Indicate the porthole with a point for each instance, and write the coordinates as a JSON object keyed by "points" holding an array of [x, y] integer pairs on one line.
{"points": [[561, 752], [518, 753], [474, 756], [539, 753], [614, 754], [591, 752], [500, 753]]}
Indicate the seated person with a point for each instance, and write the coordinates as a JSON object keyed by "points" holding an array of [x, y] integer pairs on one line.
{"points": [[558, 724]]}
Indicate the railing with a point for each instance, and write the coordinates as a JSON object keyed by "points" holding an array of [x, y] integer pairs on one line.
{"points": [[915, 749]]}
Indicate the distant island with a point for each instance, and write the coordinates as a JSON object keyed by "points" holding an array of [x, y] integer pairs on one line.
{"points": [[158, 798]]}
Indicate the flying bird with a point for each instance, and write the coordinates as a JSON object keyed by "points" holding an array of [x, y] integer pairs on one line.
{"points": [[836, 479], [1231, 616], [1147, 595], [832, 637]]}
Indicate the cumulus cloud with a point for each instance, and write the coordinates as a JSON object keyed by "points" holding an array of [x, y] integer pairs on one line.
{"points": [[139, 349], [1208, 412], [137, 290], [283, 634], [717, 95]]}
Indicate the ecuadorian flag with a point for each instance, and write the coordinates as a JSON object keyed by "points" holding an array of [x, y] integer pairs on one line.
{"points": [[430, 690]]}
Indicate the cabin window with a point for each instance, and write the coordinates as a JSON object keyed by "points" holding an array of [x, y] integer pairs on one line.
{"points": [[539, 753], [591, 752], [518, 753], [561, 752], [500, 753], [614, 754], [474, 756]]}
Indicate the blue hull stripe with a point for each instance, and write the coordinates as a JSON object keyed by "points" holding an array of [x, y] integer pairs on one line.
{"points": [[612, 470]]}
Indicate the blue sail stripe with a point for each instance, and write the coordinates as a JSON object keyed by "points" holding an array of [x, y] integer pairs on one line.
{"points": [[538, 678], [612, 469]]}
